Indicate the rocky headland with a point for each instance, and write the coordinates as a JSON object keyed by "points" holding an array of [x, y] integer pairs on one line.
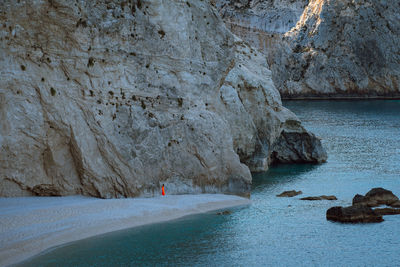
{"points": [[323, 49], [113, 98]]}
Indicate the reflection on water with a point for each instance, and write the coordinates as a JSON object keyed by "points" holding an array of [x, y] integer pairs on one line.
{"points": [[363, 143], [285, 173]]}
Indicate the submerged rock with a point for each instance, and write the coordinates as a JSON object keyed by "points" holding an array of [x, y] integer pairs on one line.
{"points": [[291, 193], [353, 214], [225, 212], [323, 197], [112, 99], [376, 197]]}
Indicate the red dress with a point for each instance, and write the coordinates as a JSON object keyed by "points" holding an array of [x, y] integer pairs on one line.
{"points": [[162, 191]]}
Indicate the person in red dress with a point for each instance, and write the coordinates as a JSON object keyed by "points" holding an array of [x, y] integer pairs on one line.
{"points": [[162, 190]]}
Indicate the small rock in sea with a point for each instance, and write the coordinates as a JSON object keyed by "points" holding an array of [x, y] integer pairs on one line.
{"points": [[225, 212], [291, 193], [353, 214], [323, 197], [376, 197], [387, 211], [311, 198]]}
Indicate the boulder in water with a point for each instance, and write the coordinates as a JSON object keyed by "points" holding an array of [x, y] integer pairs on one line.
{"points": [[291, 193], [323, 197], [376, 197], [353, 214], [225, 212]]}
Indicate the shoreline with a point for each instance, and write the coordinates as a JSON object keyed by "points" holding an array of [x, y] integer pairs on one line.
{"points": [[31, 225]]}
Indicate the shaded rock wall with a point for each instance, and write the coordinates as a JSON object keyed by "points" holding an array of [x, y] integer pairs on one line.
{"points": [[115, 98], [342, 48], [262, 23], [336, 49]]}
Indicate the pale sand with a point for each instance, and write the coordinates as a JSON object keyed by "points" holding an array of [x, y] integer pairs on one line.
{"points": [[30, 225]]}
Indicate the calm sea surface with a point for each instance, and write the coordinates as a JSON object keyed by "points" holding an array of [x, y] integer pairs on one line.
{"points": [[363, 143]]}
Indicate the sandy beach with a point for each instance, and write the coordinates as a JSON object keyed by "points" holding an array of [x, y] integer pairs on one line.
{"points": [[30, 225]]}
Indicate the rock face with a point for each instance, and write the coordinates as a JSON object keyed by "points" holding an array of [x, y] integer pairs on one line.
{"points": [[342, 48], [114, 98], [353, 214], [291, 193], [376, 197], [292, 140], [225, 212], [337, 48], [262, 23]]}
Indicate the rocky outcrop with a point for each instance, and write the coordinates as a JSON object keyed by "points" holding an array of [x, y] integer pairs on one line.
{"points": [[336, 49], [376, 197], [361, 211], [296, 145], [263, 131], [353, 214], [290, 193], [323, 197], [225, 212], [114, 98]]}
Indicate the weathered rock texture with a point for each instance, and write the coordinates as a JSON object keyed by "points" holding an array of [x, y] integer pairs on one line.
{"points": [[290, 193], [361, 211], [114, 98], [262, 23], [376, 197], [337, 48], [323, 197], [387, 211], [353, 214], [342, 48]]}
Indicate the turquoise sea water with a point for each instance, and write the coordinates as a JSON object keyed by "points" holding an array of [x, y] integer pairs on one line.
{"points": [[363, 143]]}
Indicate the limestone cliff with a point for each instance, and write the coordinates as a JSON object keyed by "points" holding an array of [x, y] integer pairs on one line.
{"points": [[114, 98], [336, 49], [262, 23]]}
